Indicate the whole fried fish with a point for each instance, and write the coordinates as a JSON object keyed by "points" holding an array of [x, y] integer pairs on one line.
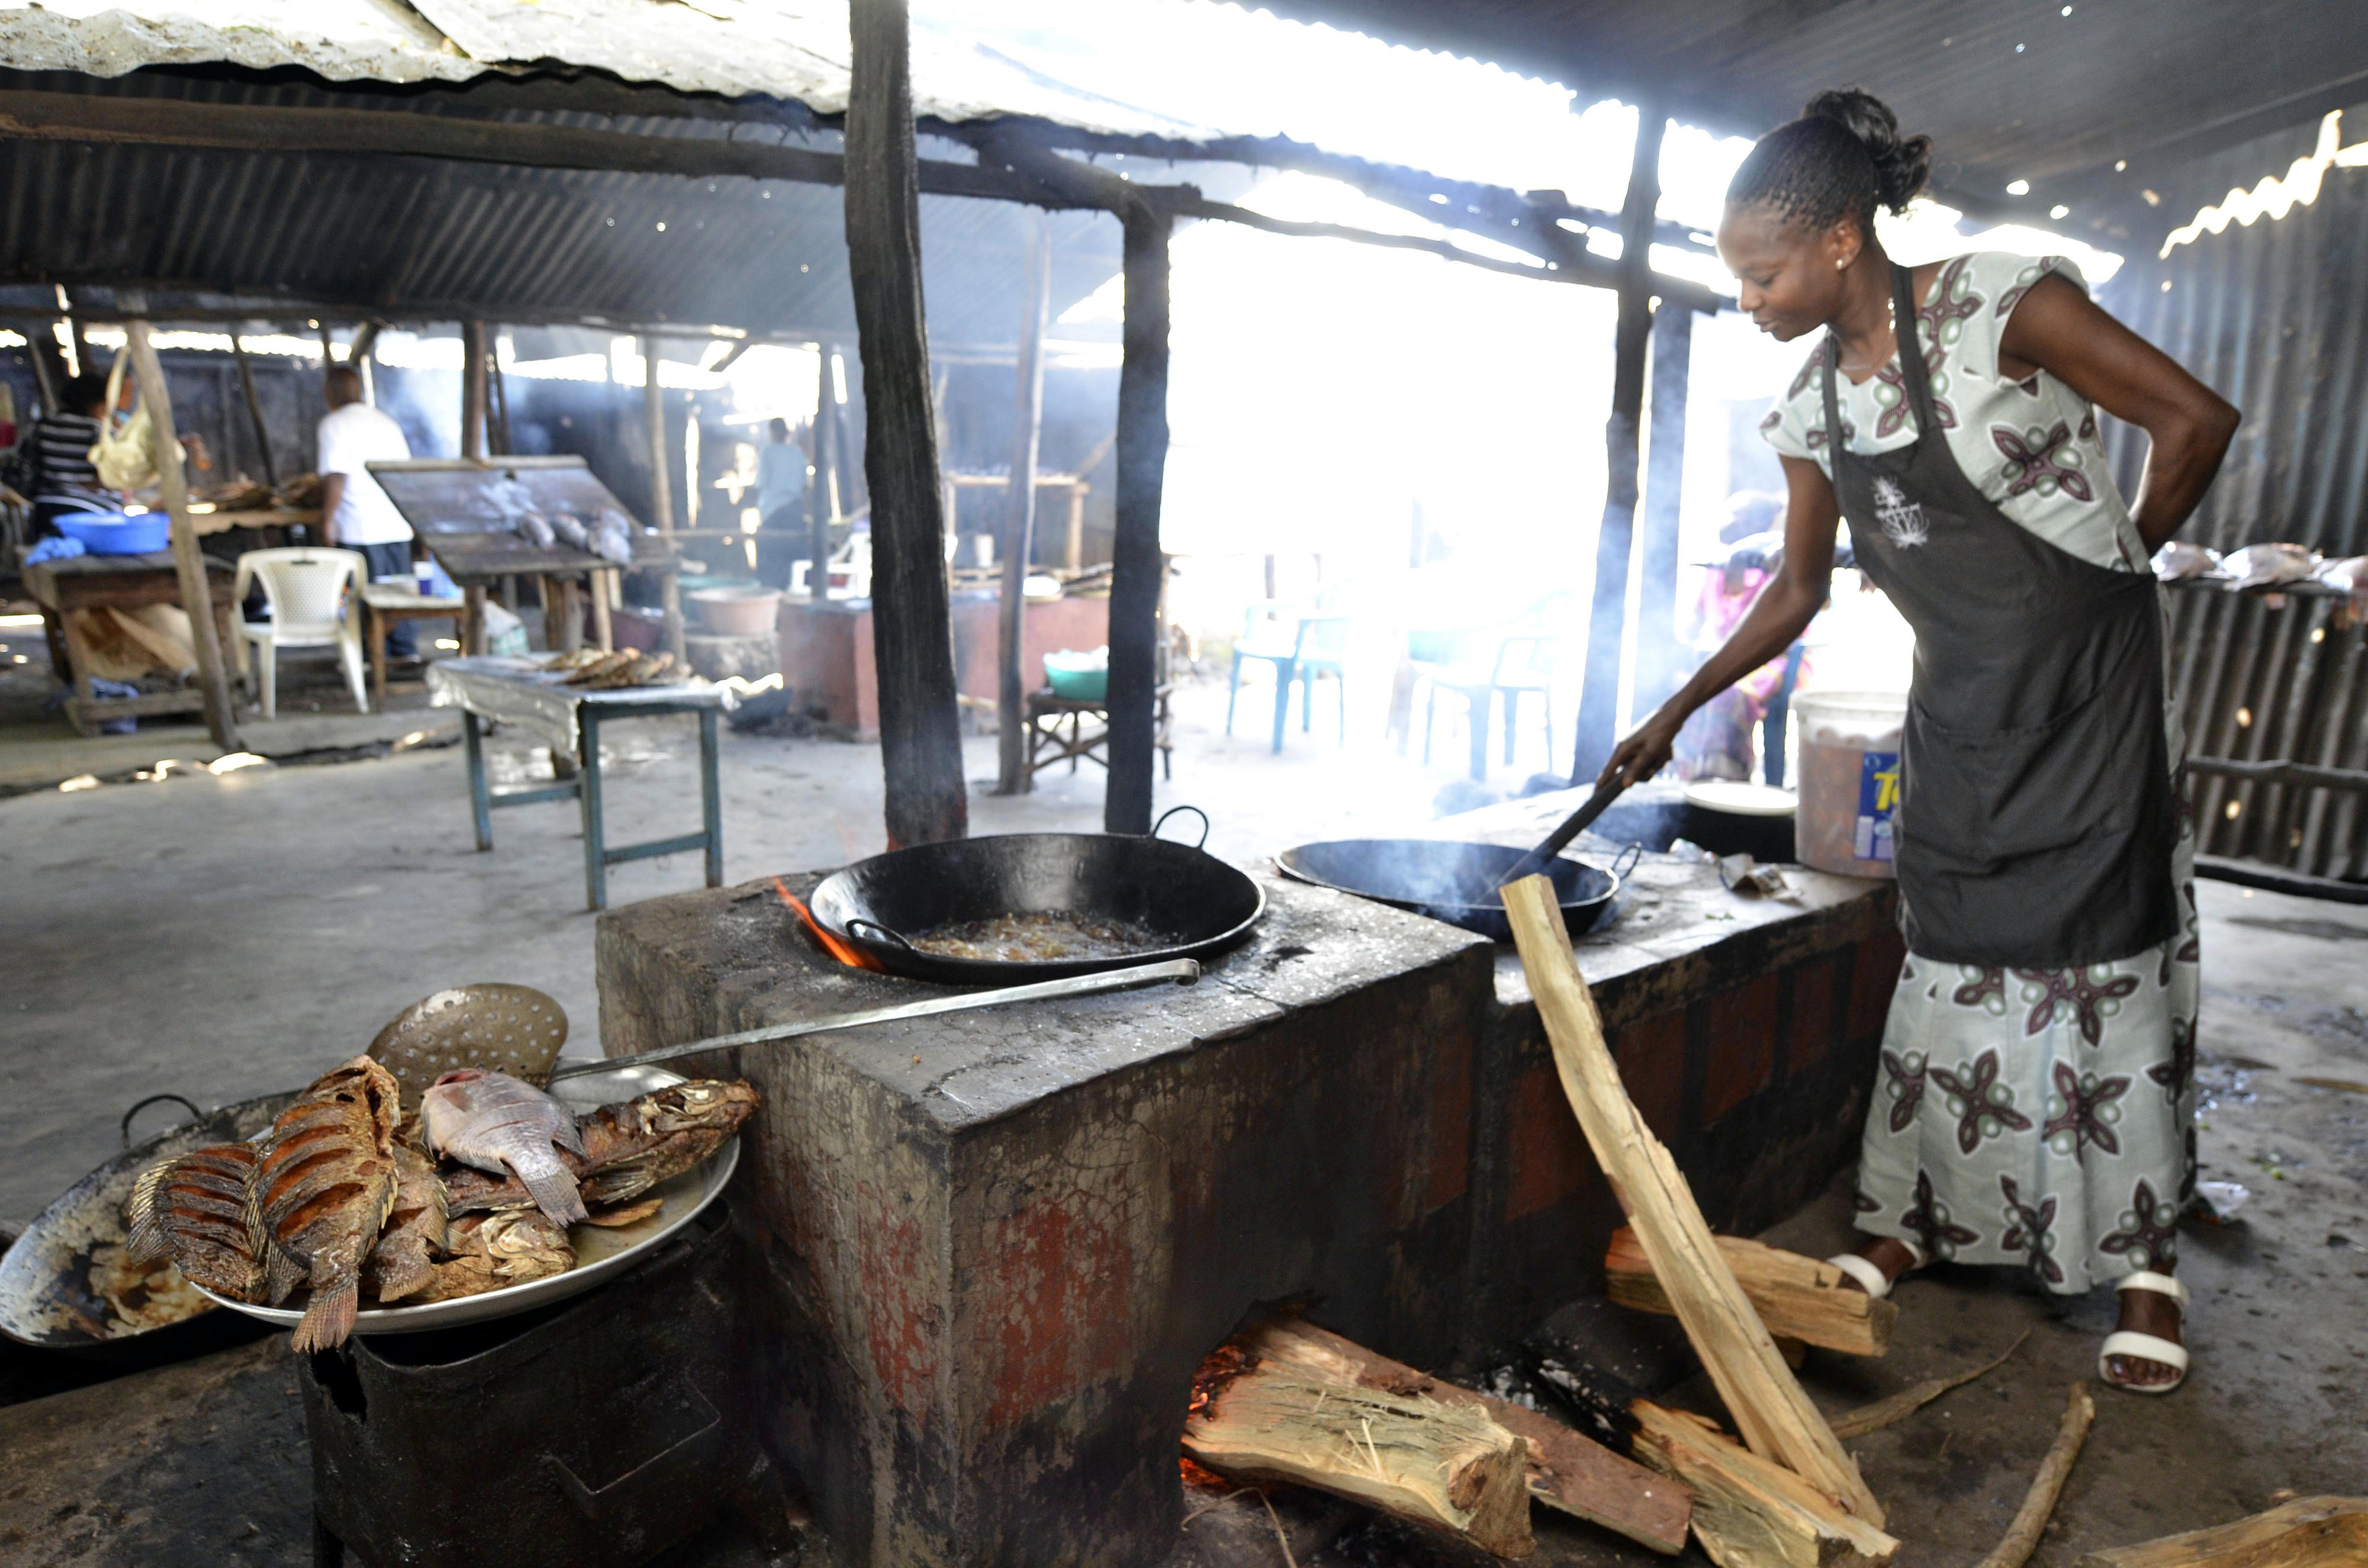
{"points": [[399, 1264], [324, 1181], [499, 1124], [193, 1209], [490, 1252], [629, 1147]]}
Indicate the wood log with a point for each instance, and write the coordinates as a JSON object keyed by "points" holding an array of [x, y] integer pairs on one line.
{"points": [[1019, 517], [662, 499], [1774, 1417], [473, 419], [1138, 569], [188, 564], [1751, 1512], [1567, 1471], [1447, 1467], [253, 408], [1796, 1297], [822, 495], [2308, 1533], [2039, 1502], [912, 638]]}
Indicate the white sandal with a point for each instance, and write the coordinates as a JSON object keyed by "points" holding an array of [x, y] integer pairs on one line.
{"points": [[2148, 1346], [1870, 1277]]}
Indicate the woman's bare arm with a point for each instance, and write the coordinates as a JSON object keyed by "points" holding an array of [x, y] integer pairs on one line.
{"points": [[1777, 618], [2059, 329]]}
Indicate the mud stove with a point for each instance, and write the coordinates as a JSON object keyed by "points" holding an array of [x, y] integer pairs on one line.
{"points": [[981, 1256]]}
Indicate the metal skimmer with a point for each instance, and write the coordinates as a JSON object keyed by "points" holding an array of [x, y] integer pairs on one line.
{"points": [[501, 1028]]}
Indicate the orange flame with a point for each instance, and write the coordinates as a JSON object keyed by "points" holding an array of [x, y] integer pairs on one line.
{"points": [[854, 958]]}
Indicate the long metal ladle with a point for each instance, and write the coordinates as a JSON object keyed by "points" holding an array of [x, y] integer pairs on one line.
{"points": [[1180, 971]]}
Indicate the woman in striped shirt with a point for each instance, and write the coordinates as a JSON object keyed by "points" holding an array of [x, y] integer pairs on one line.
{"points": [[59, 476]]}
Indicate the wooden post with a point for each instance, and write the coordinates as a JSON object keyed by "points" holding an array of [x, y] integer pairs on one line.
{"points": [[822, 498], [188, 565], [473, 388], [1019, 516], [499, 401], [1598, 698], [253, 408], [662, 499], [920, 722], [1661, 662], [1137, 565], [328, 359], [48, 370]]}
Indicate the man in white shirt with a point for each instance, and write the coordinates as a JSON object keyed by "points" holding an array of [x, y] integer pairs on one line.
{"points": [[355, 512]]}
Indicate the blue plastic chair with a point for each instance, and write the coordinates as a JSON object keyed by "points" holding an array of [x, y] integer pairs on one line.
{"points": [[1523, 662], [1313, 645]]}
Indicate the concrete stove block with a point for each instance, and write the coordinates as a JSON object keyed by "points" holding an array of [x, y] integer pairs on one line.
{"points": [[993, 1248]]}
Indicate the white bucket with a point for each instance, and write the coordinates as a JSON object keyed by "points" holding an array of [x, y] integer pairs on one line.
{"points": [[1849, 780]]}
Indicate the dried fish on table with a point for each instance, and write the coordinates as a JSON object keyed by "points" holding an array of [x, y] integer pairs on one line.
{"points": [[493, 1251], [502, 1124], [594, 668], [324, 1181], [415, 1229], [194, 1210], [643, 669], [628, 1147], [535, 528]]}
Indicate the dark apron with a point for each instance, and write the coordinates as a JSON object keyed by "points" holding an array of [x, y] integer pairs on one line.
{"points": [[2036, 817]]}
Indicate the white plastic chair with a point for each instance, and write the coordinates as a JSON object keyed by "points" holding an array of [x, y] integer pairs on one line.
{"points": [[313, 594]]}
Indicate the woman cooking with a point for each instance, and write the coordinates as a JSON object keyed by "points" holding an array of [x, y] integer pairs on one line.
{"points": [[2033, 1105]]}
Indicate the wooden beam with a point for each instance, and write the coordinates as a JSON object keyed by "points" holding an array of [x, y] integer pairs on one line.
{"points": [[1598, 696], [662, 498], [920, 723], [822, 498], [1446, 1467], [253, 408], [1798, 1298], [188, 565], [1137, 565], [2308, 1533], [1661, 664], [1774, 1417], [1019, 517], [1749, 1511], [472, 390], [1566, 1472]]}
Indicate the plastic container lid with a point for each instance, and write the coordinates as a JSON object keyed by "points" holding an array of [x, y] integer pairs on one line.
{"points": [[1738, 799], [1876, 716]]}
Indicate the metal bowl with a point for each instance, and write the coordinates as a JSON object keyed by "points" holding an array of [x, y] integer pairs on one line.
{"points": [[1451, 882], [685, 1196]]}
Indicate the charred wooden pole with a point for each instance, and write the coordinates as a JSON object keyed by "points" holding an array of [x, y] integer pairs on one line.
{"points": [[1599, 697], [822, 497], [473, 388], [328, 359], [920, 728], [1020, 517], [1660, 666], [661, 500], [253, 408], [49, 369], [188, 564], [1137, 567]]}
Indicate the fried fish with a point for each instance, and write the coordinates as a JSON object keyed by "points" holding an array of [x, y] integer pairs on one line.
{"points": [[627, 1148], [324, 1182], [491, 1252], [415, 1229], [193, 1209], [506, 1126]]}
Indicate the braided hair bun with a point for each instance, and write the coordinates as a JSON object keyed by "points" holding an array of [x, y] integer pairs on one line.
{"points": [[1843, 158]]}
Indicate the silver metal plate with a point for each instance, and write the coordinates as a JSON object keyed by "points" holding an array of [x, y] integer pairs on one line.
{"points": [[601, 1255]]}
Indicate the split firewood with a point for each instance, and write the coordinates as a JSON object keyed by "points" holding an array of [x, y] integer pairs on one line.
{"points": [[2039, 1502], [1798, 1298], [1565, 1470], [2309, 1532], [1908, 1401], [1444, 1466], [1774, 1417], [1749, 1511]]}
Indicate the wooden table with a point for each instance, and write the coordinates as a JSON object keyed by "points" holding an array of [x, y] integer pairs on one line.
{"points": [[1057, 732], [120, 582], [384, 605]]}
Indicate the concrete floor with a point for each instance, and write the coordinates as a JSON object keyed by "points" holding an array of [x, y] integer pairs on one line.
{"points": [[227, 936]]}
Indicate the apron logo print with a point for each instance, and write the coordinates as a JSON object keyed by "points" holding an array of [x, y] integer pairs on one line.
{"points": [[1902, 519]]}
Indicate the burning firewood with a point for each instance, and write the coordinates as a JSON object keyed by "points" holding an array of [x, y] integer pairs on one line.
{"points": [[1751, 1512], [1445, 1466], [1797, 1298]]}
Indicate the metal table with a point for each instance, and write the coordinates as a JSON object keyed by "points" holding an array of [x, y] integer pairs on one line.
{"points": [[519, 691]]}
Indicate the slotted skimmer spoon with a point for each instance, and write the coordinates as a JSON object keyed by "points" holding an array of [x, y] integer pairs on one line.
{"points": [[501, 1028]]}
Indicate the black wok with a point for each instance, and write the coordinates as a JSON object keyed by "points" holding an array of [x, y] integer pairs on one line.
{"points": [[45, 1295], [1195, 903], [1451, 882]]}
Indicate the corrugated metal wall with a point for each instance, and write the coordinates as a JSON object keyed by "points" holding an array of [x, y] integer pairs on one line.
{"points": [[2274, 316]]}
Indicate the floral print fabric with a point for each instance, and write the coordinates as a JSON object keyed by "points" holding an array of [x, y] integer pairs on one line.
{"points": [[2041, 1118]]}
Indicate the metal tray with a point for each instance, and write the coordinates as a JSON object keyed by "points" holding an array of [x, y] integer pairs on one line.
{"points": [[685, 1196]]}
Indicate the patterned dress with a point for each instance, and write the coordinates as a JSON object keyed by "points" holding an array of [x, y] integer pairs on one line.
{"points": [[2041, 1118]]}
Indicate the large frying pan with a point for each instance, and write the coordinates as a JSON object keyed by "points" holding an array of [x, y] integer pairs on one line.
{"points": [[1451, 881], [1196, 903]]}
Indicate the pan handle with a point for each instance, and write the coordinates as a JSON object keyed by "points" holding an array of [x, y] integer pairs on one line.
{"points": [[1632, 855], [155, 1099], [1171, 811], [895, 936]]}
